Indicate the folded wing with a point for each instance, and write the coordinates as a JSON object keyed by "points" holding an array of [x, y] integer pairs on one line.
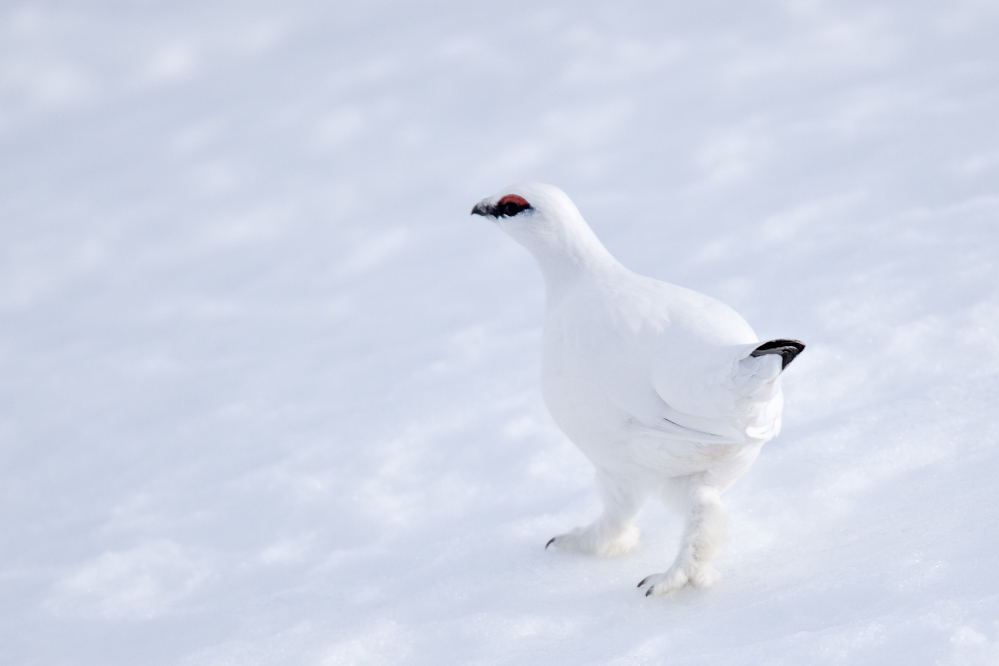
{"points": [[726, 396]]}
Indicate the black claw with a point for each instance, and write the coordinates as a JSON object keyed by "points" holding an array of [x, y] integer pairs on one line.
{"points": [[650, 590], [550, 542], [644, 581]]}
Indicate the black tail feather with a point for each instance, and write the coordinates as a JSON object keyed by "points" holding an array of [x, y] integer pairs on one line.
{"points": [[788, 350]]}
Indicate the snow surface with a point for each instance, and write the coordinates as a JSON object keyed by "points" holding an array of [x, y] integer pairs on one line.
{"points": [[270, 395]]}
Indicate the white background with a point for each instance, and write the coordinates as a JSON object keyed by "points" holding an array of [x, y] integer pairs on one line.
{"points": [[269, 395]]}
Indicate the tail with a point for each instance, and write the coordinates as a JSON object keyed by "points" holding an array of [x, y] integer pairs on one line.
{"points": [[788, 350], [757, 383]]}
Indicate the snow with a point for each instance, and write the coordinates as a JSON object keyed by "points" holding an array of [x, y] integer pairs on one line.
{"points": [[270, 395]]}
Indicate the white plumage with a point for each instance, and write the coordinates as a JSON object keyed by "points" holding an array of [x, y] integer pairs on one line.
{"points": [[667, 391]]}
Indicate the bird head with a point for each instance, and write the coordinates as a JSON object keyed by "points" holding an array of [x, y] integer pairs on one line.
{"points": [[538, 216], [543, 219]]}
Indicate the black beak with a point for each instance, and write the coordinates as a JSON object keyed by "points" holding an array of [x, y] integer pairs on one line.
{"points": [[481, 209]]}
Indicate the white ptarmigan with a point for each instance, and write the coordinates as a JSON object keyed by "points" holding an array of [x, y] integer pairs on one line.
{"points": [[667, 391]]}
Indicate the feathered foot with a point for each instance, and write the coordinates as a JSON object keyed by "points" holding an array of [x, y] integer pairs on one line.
{"points": [[598, 539]]}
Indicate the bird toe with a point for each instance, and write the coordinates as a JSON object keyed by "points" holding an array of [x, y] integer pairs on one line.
{"points": [[660, 585]]}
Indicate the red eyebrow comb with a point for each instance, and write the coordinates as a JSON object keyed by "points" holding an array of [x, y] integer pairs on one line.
{"points": [[513, 198]]}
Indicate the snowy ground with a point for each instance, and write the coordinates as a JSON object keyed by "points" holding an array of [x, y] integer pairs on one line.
{"points": [[270, 395]]}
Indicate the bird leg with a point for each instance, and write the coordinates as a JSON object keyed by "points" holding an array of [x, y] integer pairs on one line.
{"points": [[703, 537], [614, 532]]}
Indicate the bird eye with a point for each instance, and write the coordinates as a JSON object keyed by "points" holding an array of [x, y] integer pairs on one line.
{"points": [[511, 204]]}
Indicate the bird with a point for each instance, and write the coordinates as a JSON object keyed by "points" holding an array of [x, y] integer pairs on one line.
{"points": [[665, 390]]}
